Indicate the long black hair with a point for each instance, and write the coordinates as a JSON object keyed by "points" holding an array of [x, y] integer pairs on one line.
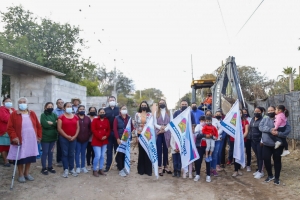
{"points": [[140, 107], [283, 109]]}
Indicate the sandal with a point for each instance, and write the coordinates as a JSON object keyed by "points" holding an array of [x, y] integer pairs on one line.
{"points": [[44, 171], [160, 171], [51, 170]]}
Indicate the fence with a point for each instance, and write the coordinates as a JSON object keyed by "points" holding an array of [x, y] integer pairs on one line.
{"points": [[292, 102]]}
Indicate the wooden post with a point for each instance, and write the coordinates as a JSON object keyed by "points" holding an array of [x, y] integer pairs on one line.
{"points": [[293, 144]]}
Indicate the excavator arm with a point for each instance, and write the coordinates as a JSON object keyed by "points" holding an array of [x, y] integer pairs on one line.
{"points": [[227, 88]]}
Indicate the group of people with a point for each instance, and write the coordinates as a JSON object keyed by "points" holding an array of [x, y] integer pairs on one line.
{"points": [[83, 136]]}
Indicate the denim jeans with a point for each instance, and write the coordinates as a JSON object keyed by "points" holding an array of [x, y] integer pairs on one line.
{"points": [[222, 143], [40, 151], [58, 151], [258, 150], [99, 157], [215, 154], [112, 145], [176, 161], [68, 151], [80, 150], [47, 152]]}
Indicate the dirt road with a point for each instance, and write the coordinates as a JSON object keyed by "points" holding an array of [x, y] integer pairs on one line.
{"points": [[87, 187]]}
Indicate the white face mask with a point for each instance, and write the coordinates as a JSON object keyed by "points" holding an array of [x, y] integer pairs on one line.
{"points": [[112, 103], [123, 112], [69, 110], [8, 104]]}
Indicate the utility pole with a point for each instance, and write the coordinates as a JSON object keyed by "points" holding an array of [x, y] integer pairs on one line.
{"points": [[114, 92], [192, 66]]}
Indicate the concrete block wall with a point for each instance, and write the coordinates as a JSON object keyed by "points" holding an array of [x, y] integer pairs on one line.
{"points": [[66, 90], [96, 102]]}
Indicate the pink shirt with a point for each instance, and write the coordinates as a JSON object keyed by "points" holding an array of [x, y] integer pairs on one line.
{"points": [[280, 120]]}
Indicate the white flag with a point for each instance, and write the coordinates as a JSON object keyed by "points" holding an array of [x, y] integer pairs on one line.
{"points": [[148, 141], [232, 125], [181, 129]]}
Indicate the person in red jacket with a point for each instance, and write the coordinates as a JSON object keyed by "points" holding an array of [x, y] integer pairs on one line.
{"points": [[211, 133], [101, 131], [5, 112], [24, 129]]}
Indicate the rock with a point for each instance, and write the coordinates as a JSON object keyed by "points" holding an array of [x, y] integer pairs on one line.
{"points": [[283, 184]]}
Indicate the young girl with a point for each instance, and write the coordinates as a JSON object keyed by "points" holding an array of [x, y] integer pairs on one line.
{"points": [[279, 123], [210, 133], [175, 157]]}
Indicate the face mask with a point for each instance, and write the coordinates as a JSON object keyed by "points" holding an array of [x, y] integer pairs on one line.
{"points": [[49, 110], [162, 106], [92, 113], [81, 112], [112, 103], [8, 104], [102, 116], [144, 108], [202, 123], [218, 117], [245, 115], [208, 123], [123, 112], [183, 108], [271, 114], [23, 106], [257, 115], [194, 108], [69, 110]]}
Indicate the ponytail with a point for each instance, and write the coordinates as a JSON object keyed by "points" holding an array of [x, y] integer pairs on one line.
{"points": [[283, 109]]}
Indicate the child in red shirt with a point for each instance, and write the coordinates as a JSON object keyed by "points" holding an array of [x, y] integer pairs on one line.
{"points": [[211, 133]]}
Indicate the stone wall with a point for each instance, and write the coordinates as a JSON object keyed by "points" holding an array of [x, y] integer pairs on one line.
{"points": [[96, 102]]}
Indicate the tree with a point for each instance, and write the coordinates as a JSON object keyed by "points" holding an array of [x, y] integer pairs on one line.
{"points": [[44, 42], [286, 74], [151, 95], [5, 85], [91, 87], [186, 97]]}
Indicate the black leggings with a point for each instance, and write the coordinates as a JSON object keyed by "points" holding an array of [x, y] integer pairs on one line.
{"points": [[248, 151], [89, 153], [267, 154], [201, 152], [120, 158], [258, 150]]}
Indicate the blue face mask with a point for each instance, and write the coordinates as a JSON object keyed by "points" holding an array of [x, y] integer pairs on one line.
{"points": [[69, 110], [23, 106], [8, 104], [81, 112]]}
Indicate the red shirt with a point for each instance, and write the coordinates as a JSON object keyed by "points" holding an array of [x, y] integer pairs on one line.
{"points": [[208, 129], [100, 128], [69, 126], [244, 123], [4, 117]]}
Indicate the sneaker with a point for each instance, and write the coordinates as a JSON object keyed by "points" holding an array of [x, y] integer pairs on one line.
{"points": [[240, 173], [59, 164], [73, 173], [89, 168], [84, 170], [270, 178], [218, 168], [285, 153], [51, 170], [210, 158], [106, 170], [175, 173], [208, 179], [197, 178], [178, 174], [248, 169], [259, 175], [29, 178], [255, 173], [6, 165], [228, 162], [207, 159], [214, 173], [126, 172], [277, 144], [183, 175], [65, 174], [21, 179], [122, 173], [190, 175], [44, 171], [235, 174], [276, 181], [78, 170]]}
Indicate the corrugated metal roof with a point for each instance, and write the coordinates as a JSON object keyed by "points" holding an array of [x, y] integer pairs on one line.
{"points": [[29, 64]]}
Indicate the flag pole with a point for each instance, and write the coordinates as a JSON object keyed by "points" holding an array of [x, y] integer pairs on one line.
{"points": [[113, 161]]}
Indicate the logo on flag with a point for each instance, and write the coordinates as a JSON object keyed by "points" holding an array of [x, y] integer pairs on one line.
{"points": [[233, 119], [181, 130], [148, 141]]}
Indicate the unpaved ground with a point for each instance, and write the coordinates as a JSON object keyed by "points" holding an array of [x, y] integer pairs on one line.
{"points": [[87, 187]]}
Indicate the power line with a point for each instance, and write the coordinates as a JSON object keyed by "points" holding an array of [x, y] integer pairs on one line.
{"points": [[223, 21], [250, 17]]}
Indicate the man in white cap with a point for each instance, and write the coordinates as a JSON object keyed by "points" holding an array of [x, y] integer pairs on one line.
{"points": [[76, 102]]}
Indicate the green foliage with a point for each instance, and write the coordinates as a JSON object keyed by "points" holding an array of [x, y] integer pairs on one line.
{"points": [[297, 84], [151, 95], [187, 97], [44, 42], [91, 87], [5, 85]]}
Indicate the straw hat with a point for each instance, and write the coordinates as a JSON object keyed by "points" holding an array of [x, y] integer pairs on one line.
{"points": [[73, 99]]}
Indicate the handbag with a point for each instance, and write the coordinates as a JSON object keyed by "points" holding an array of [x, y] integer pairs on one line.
{"points": [[5, 140]]}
